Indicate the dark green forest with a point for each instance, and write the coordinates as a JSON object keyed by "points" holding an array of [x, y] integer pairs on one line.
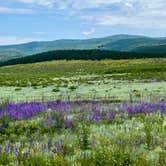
{"points": [[94, 54]]}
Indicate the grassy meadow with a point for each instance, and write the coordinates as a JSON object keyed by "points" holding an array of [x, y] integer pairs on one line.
{"points": [[105, 79], [83, 113]]}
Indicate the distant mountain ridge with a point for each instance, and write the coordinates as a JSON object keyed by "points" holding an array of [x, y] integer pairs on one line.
{"points": [[116, 42]]}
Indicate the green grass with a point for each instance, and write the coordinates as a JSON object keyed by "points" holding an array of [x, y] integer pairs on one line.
{"points": [[84, 79], [44, 73]]}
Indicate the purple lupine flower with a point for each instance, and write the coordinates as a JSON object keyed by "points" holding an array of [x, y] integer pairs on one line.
{"points": [[44, 148], [7, 148], [85, 155], [68, 123], [30, 142], [38, 140], [15, 149], [1, 149], [96, 115], [59, 149], [164, 148], [49, 143], [120, 142], [111, 116], [162, 109], [21, 143], [26, 154], [94, 110], [24, 110], [56, 143]]}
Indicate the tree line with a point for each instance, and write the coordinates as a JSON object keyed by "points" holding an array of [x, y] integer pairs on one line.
{"points": [[95, 54]]}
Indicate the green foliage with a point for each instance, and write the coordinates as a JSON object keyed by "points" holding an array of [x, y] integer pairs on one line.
{"points": [[151, 49], [25, 75], [42, 160], [148, 134], [81, 55], [55, 90], [83, 134], [72, 87], [162, 159], [18, 89], [148, 128], [4, 159]]}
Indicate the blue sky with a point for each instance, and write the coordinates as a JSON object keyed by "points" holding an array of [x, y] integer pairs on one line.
{"points": [[35, 20]]}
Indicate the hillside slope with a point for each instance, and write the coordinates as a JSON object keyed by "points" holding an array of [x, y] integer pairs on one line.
{"points": [[94, 54], [116, 42], [151, 49]]}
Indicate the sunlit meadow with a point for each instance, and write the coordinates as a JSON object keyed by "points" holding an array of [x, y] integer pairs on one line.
{"points": [[80, 113]]}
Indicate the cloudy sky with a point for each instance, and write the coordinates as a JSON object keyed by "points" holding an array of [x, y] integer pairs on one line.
{"points": [[28, 20]]}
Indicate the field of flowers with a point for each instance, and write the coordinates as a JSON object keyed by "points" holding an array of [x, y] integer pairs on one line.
{"points": [[94, 133], [83, 113]]}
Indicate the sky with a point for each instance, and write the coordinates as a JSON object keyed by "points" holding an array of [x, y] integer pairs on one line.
{"points": [[43, 20]]}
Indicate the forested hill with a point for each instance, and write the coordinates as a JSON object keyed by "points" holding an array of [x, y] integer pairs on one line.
{"points": [[94, 54], [122, 42]]}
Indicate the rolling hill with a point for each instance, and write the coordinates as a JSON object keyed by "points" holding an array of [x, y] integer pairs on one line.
{"points": [[152, 49], [117, 42], [93, 54]]}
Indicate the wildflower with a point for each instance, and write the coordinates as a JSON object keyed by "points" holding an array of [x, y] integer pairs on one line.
{"points": [[164, 148], [44, 148], [1, 149], [49, 144], [120, 142], [26, 154], [7, 147]]}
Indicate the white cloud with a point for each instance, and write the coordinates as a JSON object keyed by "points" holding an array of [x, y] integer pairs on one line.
{"points": [[79, 4], [133, 21], [137, 13], [46, 3], [85, 4], [133, 13], [7, 40], [71, 4], [88, 33], [15, 10]]}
